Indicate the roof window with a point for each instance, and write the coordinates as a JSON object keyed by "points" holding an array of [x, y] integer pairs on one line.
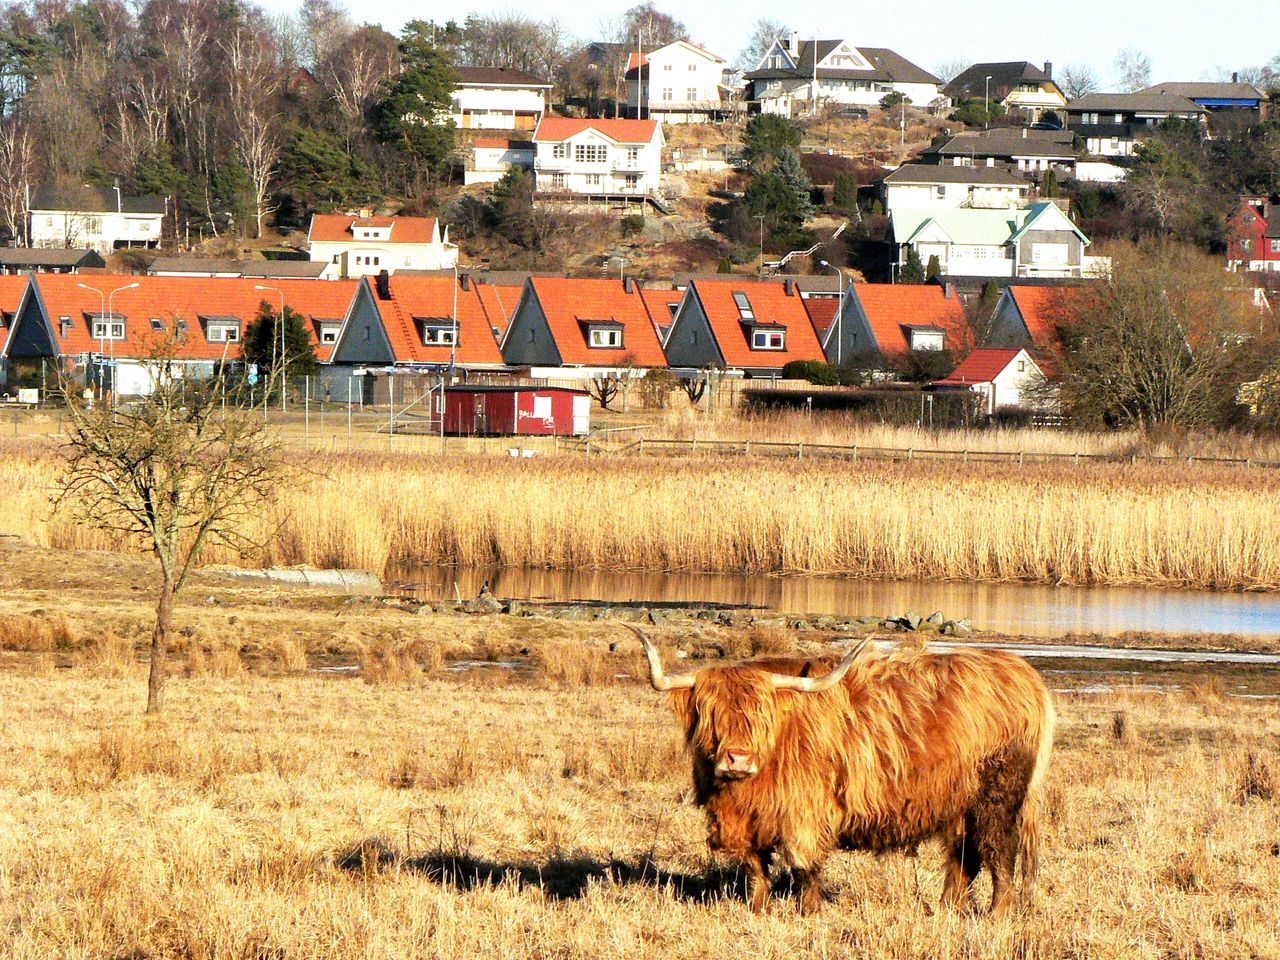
{"points": [[744, 305]]}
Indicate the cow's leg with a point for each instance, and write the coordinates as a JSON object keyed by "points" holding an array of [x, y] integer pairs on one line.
{"points": [[810, 890], [757, 867], [994, 819], [962, 866]]}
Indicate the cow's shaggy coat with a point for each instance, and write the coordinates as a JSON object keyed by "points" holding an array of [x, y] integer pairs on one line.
{"points": [[905, 748]]}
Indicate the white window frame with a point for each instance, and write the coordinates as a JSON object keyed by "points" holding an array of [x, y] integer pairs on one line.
{"points": [[108, 329], [605, 338], [928, 340], [768, 340], [434, 335]]}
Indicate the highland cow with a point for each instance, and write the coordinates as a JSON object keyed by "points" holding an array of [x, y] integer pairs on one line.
{"points": [[877, 752]]}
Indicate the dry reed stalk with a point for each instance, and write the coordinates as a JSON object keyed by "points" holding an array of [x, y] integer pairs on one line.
{"points": [[35, 633], [397, 661], [109, 655], [290, 655]]}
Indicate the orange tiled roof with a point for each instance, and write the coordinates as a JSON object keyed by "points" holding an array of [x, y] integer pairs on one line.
{"points": [[11, 289], [822, 312], [770, 304], [981, 366], [336, 228], [893, 308], [569, 303], [166, 300], [499, 301], [552, 129], [415, 299]]}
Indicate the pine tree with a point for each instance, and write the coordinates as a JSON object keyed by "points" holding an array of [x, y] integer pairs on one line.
{"points": [[913, 270], [262, 342], [934, 270], [844, 191], [1049, 185], [413, 117]]}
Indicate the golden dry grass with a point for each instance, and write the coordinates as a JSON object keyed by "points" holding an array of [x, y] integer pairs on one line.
{"points": [[324, 817], [1106, 524]]}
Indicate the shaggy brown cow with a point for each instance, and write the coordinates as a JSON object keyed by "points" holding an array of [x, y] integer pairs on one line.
{"points": [[880, 753]]}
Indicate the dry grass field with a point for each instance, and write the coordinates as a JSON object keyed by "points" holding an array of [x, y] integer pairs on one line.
{"points": [[484, 815], [1197, 526], [284, 808]]}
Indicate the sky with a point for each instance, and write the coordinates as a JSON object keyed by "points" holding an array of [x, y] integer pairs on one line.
{"points": [[1185, 39]]}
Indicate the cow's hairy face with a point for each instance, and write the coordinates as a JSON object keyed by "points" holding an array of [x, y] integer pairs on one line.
{"points": [[731, 719]]}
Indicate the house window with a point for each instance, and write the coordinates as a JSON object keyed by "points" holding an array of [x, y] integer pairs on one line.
{"points": [[667, 94], [223, 333], [633, 155], [1246, 245], [408, 261], [328, 334], [768, 340], [337, 257], [1049, 252], [667, 67], [157, 323], [928, 339], [593, 179], [541, 408], [590, 152], [939, 192], [558, 152], [631, 181], [436, 335], [1022, 366], [1275, 246], [693, 94], [108, 330], [557, 181], [64, 326], [605, 337], [744, 305]]}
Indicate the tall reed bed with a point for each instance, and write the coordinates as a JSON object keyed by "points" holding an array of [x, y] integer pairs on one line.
{"points": [[1107, 524]]}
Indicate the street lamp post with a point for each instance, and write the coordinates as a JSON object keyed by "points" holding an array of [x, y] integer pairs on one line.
{"points": [[283, 383], [839, 309], [107, 315], [453, 342], [986, 103]]}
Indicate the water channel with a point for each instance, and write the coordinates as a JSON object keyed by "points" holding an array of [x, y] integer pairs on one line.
{"points": [[1034, 610]]}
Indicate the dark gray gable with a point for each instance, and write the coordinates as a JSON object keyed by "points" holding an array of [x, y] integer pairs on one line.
{"points": [[1008, 327], [529, 341], [32, 336], [858, 338], [363, 337], [690, 341]]}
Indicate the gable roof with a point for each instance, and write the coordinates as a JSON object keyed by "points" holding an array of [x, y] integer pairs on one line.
{"points": [[886, 65], [166, 300], [553, 129], [499, 301], [982, 365], [1208, 91], [946, 173], [570, 304], [633, 60], [822, 314], [1000, 144], [259, 269], [34, 257], [662, 303], [772, 306], [1143, 102], [338, 227], [86, 199], [11, 290], [1005, 76], [892, 309], [498, 77], [975, 225], [418, 301]]}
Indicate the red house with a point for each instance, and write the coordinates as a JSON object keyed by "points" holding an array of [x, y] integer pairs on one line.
{"points": [[516, 411], [1253, 235]]}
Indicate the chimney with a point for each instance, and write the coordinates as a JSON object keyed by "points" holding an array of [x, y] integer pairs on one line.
{"points": [[789, 287], [464, 281], [383, 282], [949, 288], [629, 284], [1048, 69], [793, 45], [1024, 133]]}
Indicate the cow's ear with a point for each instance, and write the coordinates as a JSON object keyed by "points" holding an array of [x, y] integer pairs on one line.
{"points": [[686, 711]]}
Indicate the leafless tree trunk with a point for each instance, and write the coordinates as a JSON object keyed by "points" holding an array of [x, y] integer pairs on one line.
{"points": [[253, 84], [17, 166]]}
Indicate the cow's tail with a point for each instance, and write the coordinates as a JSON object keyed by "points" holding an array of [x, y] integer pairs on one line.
{"points": [[1033, 804]]}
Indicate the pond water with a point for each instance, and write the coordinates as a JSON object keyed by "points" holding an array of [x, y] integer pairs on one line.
{"points": [[1014, 608]]}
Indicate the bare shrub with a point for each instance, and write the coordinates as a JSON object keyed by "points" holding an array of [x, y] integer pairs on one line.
{"points": [[110, 655], [1121, 731], [570, 665], [290, 655], [36, 633], [397, 661], [1256, 779], [769, 641]]}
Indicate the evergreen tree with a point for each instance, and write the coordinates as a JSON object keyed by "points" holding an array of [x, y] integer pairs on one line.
{"points": [[413, 117], [765, 138], [990, 293], [844, 191], [1049, 184], [262, 342], [913, 270], [934, 270], [320, 174], [781, 194]]}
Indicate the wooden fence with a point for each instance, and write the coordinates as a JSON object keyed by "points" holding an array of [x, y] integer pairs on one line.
{"points": [[592, 446]]}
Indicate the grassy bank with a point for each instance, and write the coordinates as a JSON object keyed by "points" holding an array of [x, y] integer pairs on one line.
{"points": [[304, 816], [1105, 524]]}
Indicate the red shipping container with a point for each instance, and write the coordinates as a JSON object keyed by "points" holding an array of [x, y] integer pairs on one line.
{"points": [[517, 411]]}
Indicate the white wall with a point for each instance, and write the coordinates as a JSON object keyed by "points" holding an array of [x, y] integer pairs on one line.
{"points": [[494, 108], [98, 231], [352, 256], [678, 83], [599, 176], [925, 196]]}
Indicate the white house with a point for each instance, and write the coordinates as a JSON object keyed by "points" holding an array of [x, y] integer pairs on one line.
{"points": [[492, 158], [495, 98], [597, 159], [678, 83], [1002, 378], [796, 75], [1035, 241], [917, 186], [89, 218], [356, 246]]}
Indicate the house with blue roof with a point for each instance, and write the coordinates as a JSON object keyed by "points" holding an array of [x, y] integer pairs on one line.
{"points": [[1215, 97]]}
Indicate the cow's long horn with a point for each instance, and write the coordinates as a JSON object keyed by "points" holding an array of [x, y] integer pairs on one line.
{"points": [[818, 684], [659, 679]]}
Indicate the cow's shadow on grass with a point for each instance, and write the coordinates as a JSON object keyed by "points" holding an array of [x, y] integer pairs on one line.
{"points": [[563, 877]]}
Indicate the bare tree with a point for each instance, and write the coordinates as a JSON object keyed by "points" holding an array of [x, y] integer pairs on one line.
{"points": [[950, 68], [763, 32], [657, 28], [1133, 70], [1077, 80], [357, 73], [325, 26], [604, 388], [181, 469], [253, 85], [17, 168]]}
